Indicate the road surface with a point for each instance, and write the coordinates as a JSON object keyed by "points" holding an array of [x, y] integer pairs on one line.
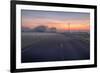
{"points": [[53, 47]]}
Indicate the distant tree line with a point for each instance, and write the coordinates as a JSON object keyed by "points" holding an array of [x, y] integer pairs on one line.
{"points": [[39, 29]]}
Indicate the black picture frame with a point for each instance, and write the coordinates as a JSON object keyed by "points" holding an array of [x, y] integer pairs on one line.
{"points": [[13, 35]]}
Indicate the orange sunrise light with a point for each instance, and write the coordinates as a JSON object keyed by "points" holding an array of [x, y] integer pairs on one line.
{"points": [[75, 27]]}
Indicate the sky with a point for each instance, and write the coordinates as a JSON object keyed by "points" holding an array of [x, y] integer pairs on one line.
{"points": [[62, 21]]}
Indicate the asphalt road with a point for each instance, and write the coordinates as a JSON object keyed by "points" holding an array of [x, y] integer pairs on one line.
{"points": [[55, 47]]}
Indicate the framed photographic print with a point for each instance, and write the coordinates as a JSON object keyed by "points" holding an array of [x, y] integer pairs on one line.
{"points": [[51, 36]]}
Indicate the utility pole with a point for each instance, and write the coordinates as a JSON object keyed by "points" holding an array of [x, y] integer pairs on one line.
{"points": [[69, 27]]}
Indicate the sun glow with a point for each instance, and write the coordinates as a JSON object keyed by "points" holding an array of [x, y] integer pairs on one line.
{"points": [[61, 21]]}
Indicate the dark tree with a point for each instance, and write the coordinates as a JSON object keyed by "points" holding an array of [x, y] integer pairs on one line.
{"points": [[40, 29], [53, 29]]}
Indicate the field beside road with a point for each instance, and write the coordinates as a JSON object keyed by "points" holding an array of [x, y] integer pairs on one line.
{"points": [[40, 47]]}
